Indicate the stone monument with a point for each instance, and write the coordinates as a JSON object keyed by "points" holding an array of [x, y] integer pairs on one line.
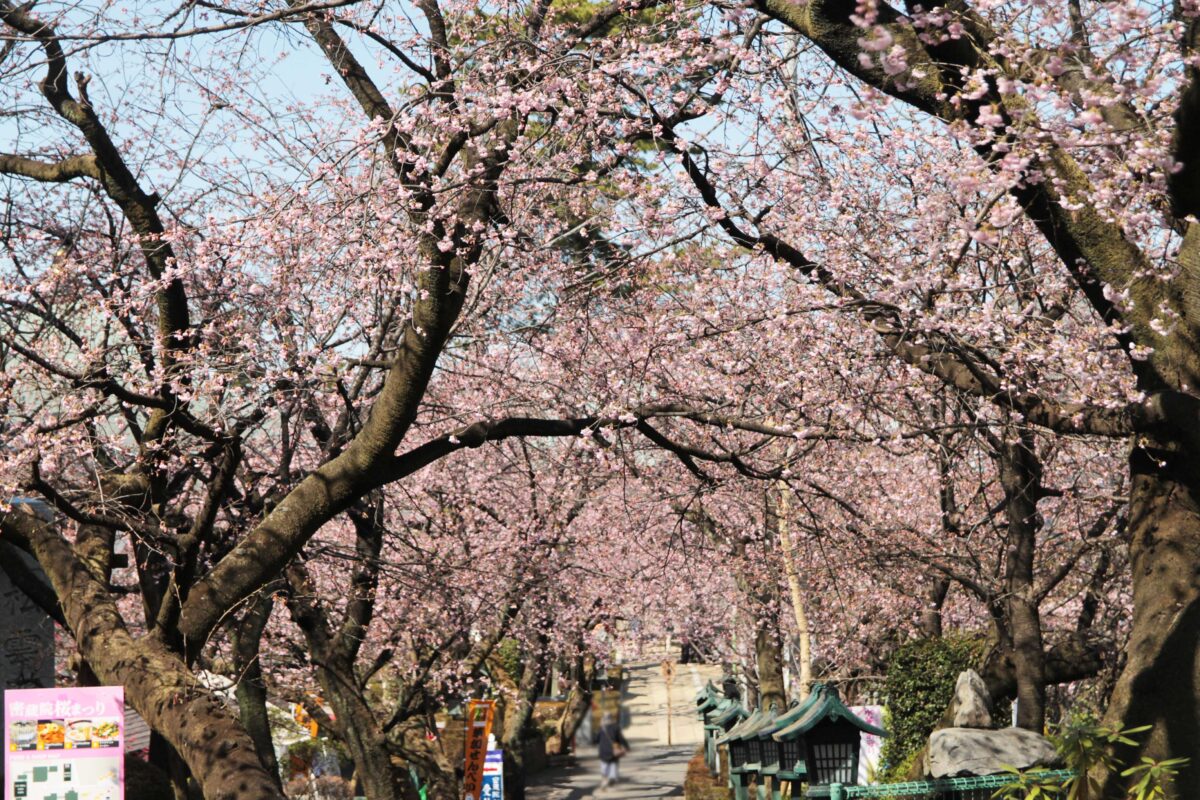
{"points": [[972, 707], [970, 748]]}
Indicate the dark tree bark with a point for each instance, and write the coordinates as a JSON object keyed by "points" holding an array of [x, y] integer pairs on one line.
{"points": [[765, 597], [769, 663], [751, 677], [335, 650], [518, 721], [1073, 659], [930, 620], [1021, 477], [251, 690], [1160, 684], [579, 703]]}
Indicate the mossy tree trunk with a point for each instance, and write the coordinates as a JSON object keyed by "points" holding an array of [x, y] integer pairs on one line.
{"points": [[251, 689], [1160, 684]]}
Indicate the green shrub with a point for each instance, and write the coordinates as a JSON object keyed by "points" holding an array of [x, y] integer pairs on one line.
{"points": [[508, 653], [920, 684], [1085, 743]]}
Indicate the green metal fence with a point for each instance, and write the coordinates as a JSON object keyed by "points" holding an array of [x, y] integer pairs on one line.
{"points": [[975, 788]]}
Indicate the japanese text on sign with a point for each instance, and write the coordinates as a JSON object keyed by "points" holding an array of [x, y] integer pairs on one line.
{"points": [[64, 743], [479, 726]]}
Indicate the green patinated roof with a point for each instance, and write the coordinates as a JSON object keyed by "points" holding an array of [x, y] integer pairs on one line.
{"points": [[748, 724], [823, 705], [788, 717], [708, 699], [756, 725], [765, 723], [733, 710]]}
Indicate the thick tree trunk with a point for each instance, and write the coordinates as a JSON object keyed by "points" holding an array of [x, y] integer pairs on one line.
{"points": [[751, 676], [360, 731], [1021, 477], [769, 661], [579, 703], [1160, 684], [1029, 665], [443, 787], [408, 743], [1072, 659], [765, 600], [517, 725], [930, 621], [357, 725]]}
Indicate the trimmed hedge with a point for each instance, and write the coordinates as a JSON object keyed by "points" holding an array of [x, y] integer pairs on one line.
{"points": [[919, 686], [700, 784]]}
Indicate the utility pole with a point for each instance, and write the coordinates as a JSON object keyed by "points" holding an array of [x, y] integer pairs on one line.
{"points": [[668, 671], [793, 579]]}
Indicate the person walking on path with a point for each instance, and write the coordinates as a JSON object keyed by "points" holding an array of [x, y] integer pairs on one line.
{"points": [[612, 746]]}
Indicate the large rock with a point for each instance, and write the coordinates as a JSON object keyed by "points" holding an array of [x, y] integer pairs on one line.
{"points": [[972, 707], [955, 752]]}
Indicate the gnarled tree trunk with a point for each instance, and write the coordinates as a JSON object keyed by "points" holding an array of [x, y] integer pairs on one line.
{"points": [[579, 703], [1021, 477], [251, 687], [517, 722], [1160, 685], [210, 740], [769, 662]]}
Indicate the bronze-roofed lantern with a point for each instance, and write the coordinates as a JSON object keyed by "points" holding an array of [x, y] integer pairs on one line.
{"points": [[827, 735]]}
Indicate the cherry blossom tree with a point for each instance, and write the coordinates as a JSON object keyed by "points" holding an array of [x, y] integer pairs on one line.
{"points": [[221, 325], [245, 317], [1003, 194]]}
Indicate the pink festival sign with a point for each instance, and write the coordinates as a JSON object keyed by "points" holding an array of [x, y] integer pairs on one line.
{"points": [[64, 744]]}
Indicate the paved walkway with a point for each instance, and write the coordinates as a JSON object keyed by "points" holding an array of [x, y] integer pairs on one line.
{"points": [[653, 767]]}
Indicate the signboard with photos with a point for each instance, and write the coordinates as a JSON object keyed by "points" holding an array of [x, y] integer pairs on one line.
{"points": [[64, 744]]}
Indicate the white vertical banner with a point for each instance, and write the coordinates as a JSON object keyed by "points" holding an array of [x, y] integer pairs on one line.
{"points": [[870, 745]]}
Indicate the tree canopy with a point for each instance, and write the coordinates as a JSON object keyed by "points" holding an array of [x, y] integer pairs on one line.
{"points": [[396, 330]]}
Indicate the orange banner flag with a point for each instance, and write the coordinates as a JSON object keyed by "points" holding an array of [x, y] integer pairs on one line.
{"points": [[479, 727]]}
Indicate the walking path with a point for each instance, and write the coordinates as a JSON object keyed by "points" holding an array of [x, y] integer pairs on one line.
{"points": [[653, 768]]}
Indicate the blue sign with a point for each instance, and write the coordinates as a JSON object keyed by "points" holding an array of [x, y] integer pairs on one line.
{"points": [[493, 776]]}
